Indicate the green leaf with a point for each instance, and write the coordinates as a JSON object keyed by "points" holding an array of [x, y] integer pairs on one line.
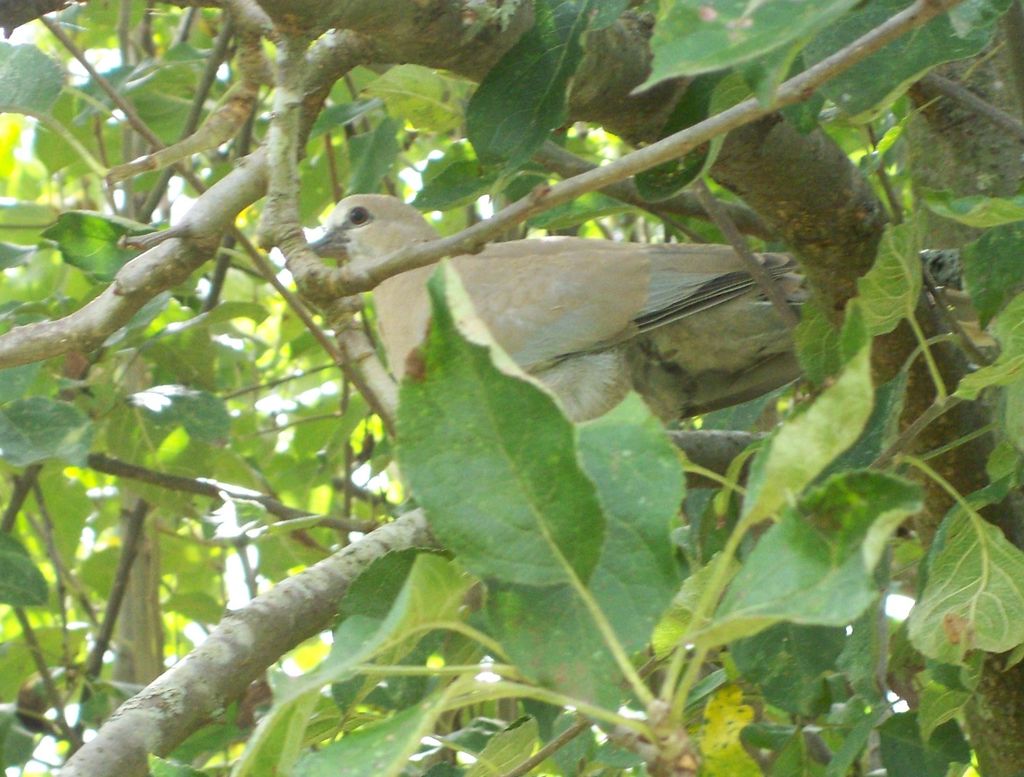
{"points": [[694, 36], [886, 74], [424, 97], [457, 178], [592, 205], [21, 582], [37, 428], [888, 292], [89, 241], [506, 749], [667, 179], [974, 597], [523, 97], [23, 223], [1008, 366], [862, 719], [806, 444], [550, 635], [160, 767], [904, 754], [336, 116], [15, 381], [881, 429], [992, 269], [640, 485], [815, 566], [371, 156], [789, 662], [30, 81], [276, 744], [203, 415], [380, 749], [548, 630], [938, 703], [506, 495], [976, 210], [14, 255], [817, 343]]}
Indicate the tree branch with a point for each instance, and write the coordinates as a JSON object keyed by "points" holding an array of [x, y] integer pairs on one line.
{"points": [[235, 653], [566, 164]]}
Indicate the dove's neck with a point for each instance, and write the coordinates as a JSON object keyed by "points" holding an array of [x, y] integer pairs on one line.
{"points": [[368, 253]]}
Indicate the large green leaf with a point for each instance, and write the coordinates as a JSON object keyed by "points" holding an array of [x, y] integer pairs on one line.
{"points": [[381, 749], [427, 99], [974, 598], [547, 630], [992, 269], [492, 459], [37, 428], [806, 444], [640, 486], [976, 210], [815, 566], [1009, 365], [886, 74], [29, 80], [21, 582], [888, 292], [203, 415], [89, 241], [789, 664], [904, 752], [694, 36], [371, 156], [523, 97]]}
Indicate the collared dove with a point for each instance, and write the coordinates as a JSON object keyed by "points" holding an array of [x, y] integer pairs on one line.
{"points": [[685, 325]]}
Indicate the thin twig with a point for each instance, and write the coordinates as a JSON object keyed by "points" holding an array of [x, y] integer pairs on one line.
{"points": [[195, 113], [36, 651], [909, 434], [276, 382], [728, 228], [209, 488], [129, 550], [22, 486], [134, 120], [549, 749], [566, 164]]}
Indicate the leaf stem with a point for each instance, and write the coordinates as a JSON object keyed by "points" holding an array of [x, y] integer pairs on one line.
{"points": [[502, 690], [933, 368], [673, 688]]}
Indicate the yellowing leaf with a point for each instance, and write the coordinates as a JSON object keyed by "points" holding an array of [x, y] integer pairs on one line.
{"points": [[724, 718]]}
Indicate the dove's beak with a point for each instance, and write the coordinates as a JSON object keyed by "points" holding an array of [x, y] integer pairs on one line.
{"points": [[333, 244]]}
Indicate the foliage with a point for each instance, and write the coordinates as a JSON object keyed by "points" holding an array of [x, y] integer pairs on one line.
{"points": [[584, 611]]}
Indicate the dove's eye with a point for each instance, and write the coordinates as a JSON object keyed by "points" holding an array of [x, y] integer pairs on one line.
{"points": [[358, 216]]}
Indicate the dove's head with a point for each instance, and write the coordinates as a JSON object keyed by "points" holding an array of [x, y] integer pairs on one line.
{"points": [[367, 227]]}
